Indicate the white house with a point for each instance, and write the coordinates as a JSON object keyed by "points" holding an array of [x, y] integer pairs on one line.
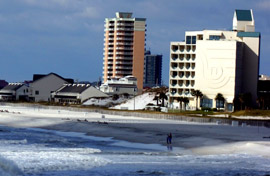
{"points": [[14, 91], [127, 84]]}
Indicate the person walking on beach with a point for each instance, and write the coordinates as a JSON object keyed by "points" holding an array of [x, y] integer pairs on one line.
{"points": [[169, 138]]}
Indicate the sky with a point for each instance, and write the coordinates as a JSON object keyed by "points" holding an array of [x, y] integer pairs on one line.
{"points": [[66, 36]]}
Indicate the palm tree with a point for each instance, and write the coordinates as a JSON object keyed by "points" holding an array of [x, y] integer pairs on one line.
{"points": [[180, 100], [197, 94], [163, 97], [246, 100], [186, 101], [156, 98], [219, 98]]}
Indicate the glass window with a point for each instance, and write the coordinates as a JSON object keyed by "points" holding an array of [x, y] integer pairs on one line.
{"points": [[37, 92], [206, 103], [219, 103], [230, 107], [214, 37], [193, 39], [188, 39]]}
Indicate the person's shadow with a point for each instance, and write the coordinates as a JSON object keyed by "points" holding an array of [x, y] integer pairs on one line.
{"points": [[169, 147]]}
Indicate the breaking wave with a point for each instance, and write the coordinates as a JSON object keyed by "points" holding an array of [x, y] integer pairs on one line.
{"points": [[9, 168]]}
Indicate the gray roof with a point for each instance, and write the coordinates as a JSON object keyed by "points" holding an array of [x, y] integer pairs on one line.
{"points": [[243, 15], [74, 88], [13, 86], [39, 76]]}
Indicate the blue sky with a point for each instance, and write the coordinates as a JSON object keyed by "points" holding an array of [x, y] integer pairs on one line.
{"points": [[66, 36]]}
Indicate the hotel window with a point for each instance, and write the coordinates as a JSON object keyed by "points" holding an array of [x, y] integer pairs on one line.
{"points": [[206, 103], [188, 39], [219, 103], [214, 37], [193, 39]]}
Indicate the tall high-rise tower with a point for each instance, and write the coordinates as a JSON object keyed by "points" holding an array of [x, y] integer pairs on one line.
{"points": [[124, 44], [152, 69]]}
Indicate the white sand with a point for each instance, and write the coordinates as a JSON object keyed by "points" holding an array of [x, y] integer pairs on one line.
{"points": [[194, 137]]}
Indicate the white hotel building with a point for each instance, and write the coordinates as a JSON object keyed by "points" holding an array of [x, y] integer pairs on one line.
{"points": [[216, 61]]}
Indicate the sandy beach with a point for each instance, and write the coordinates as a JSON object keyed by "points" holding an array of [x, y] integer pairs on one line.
{"points": [[203, 139]]}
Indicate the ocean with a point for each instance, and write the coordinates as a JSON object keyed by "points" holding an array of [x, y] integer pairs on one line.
{"points": [[38, 152]]}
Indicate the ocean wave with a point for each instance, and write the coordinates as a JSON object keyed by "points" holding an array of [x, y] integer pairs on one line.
{"points": [[9, 168]]}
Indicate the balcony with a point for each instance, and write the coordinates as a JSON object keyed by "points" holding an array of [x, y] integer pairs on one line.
{"points": [[181, 57], [123, 63], [124, 58], [187, 75], [182, 48], [193, 56], [124, 43], [124, 34], [123, 72], [193, 48], [188, 57], [174, 48], [124, 53], [124, 29], [124, 68], [125, 24], [124, 39], [187, 66], [174, 56], [188, 48], [124, 48]]}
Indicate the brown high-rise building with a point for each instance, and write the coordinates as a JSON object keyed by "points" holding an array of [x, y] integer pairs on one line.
{"points": [[124, 45]]}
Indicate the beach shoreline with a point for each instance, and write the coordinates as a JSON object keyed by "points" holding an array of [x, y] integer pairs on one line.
{"points": [[195, 137]]}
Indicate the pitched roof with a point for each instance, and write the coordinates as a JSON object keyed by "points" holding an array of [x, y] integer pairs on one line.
{"points": [[39, 76], [13, 86], [243, 15], [74, 88]]}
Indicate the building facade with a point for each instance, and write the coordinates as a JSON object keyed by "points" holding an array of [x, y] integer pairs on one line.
{"points": [[14, 91], [124, 43], [128, 85], [152, 70], [42, 86], [216, 61], [76, 93]]}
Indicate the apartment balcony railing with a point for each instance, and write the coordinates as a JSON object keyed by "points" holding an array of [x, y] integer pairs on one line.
{"points": [[124, 68], [124, 29], [125, 39], [123, 58], [125, 24], [125, 53], [124, 34], [124, 48], [124, 43], [123, 72], [123, 63]]}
